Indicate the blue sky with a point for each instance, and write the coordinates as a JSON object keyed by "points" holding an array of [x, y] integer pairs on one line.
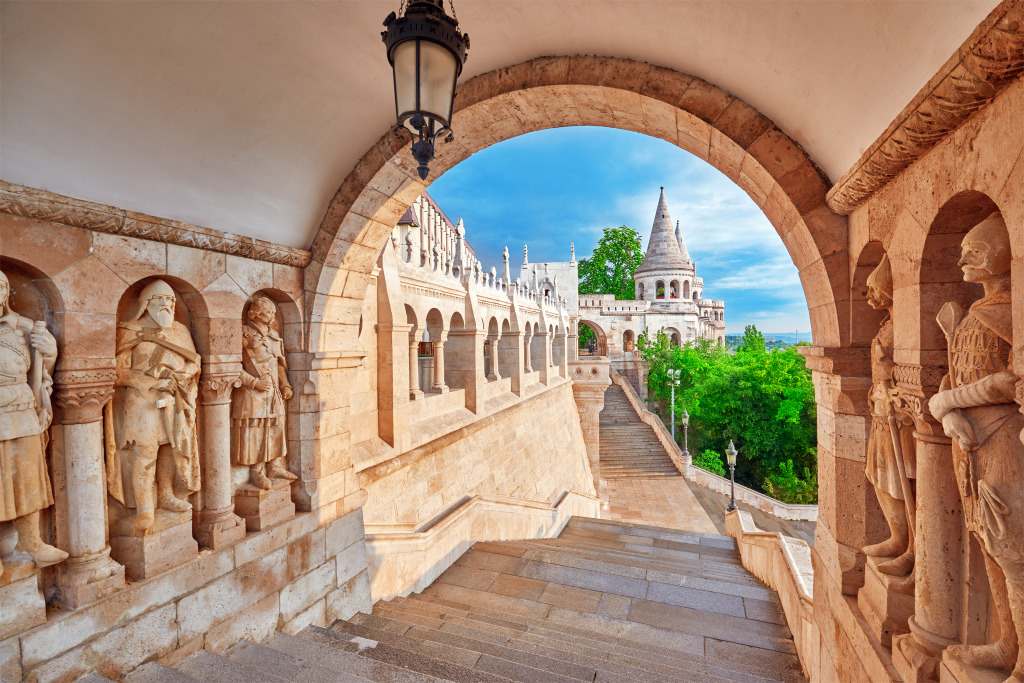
{"points": [[552, 187]]}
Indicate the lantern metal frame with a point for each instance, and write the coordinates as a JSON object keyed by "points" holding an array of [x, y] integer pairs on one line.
{"points": [[424, 21], [730, 455]]}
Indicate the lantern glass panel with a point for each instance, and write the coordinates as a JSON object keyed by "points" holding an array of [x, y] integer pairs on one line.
{"points": [[437, 80], [404, 56]]}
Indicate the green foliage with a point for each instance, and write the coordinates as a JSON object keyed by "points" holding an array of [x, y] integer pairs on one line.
{"points": [[609, 270], [586, 334], [763, 401], [710, 461], [784, 485]]}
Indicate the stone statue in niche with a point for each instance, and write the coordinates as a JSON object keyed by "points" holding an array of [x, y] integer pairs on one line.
{"points": [[890, 452], [259, 439], [153, 437], [976, 407], [28, 353]]}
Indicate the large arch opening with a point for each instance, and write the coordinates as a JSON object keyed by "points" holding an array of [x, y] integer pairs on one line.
{"points": [[564, 91]]}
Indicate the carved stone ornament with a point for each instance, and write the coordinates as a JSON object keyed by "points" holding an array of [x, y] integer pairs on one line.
{"points": [[259, 437], [28, 353], [152, 431], [81, 394], [989, 61], [18, 200], [977, 409], [215, 389]]}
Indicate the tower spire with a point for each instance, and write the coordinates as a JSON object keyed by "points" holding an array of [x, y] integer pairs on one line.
{"points": [[682, 244], [663, 252]]}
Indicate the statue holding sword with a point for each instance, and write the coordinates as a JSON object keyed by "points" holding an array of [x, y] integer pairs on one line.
{"points": [[151, 423]]}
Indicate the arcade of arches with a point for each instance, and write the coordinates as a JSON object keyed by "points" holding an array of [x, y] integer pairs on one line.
{"points": [[219, 436]]}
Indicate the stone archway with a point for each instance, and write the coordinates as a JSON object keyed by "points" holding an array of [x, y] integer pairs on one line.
{"points": [[600, 333], [598, 91]]}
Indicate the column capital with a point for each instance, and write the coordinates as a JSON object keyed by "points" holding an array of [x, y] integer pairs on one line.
{"points": [[81, 393], [216, 388]]}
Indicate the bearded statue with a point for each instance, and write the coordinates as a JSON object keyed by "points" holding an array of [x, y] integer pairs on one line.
{"points": [[153, 413], [28, 353], [976, 407], [890, 451], [259, 439]]}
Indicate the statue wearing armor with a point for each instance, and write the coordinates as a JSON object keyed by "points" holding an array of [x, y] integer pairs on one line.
{"points": [[258, 413], [153, 414], [28, 353], [890, 451], [977, 409]]}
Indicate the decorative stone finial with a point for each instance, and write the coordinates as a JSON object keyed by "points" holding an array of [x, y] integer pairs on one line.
{"points": [[526, 261]]}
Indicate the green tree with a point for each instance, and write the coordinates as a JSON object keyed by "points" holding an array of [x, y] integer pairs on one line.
{"points": [[710, 461], [763, 401], [609, 270]]}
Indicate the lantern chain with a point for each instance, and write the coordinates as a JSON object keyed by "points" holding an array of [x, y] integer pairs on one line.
{"points": [[454, 16]]}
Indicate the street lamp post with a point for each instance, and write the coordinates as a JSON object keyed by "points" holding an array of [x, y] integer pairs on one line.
{"points": [[673, 381], [686, 433], [730, 454]]}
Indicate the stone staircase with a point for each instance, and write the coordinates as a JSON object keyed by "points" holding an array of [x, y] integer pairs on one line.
{"points": [[629, 447], [605, 601]]}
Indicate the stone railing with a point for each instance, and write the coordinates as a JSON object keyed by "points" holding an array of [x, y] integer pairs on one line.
{"points": [[712, 481], [405, 559], [784, 564]]}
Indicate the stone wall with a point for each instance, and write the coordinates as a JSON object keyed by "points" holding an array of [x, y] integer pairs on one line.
{"points": [[532, 450]]}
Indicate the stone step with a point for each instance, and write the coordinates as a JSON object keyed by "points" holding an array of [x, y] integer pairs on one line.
{"points": [[340, 660], [512, 663], [286, 666], [208, 667], [527, 643], [637, 655], [425, 657], [154, 672]]}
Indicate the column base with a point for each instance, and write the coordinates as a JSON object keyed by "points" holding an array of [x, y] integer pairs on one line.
{"points": [[887, 602], [23, 604], [218, 528], [415, 395], [170, 544], [443, 389], [88, 578], [261, 508], [916, 655], [954, 671]]}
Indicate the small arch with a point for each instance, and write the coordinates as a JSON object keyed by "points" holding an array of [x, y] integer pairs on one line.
{"points": [[864, 320], [659, 289], [628, 340], [686, 290], [673, 289]]}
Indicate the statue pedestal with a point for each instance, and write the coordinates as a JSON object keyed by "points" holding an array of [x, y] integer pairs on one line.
{"points": [[218, 528], [887, 602], [23, 604], [262, 508], [954, 671], [169, 545]]}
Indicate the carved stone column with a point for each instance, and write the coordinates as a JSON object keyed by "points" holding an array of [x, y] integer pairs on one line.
{"points": [[495, 372], [216, 523], [414, 371], [527, 341], [590, 379], [544, 362], [78, 454], [937, 572], [512, 359], [438, 385]]}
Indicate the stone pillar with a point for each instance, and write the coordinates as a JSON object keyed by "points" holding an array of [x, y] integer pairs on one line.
{"points": [[468, 374], [495, 372], [393, 386], [937, 569], [414, 371], [512, 359], [438, 385], [544, 362], [527, 341], [216, 524], [590, 379], [80, 494]]}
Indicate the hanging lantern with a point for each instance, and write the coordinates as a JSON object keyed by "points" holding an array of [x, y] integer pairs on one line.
{"points": [[426, 50]]}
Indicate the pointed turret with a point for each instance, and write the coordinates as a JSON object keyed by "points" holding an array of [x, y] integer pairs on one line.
{"points": [[682, 244], [663, 251]]}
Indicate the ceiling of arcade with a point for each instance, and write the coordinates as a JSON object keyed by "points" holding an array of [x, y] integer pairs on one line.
{"points": [[248, 120]]}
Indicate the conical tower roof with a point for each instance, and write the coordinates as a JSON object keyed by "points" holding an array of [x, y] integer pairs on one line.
{"points": [[682, 244], [663, 249]]}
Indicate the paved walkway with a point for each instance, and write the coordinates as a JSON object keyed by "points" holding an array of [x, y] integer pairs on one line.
{"points": [[666, 502]]}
